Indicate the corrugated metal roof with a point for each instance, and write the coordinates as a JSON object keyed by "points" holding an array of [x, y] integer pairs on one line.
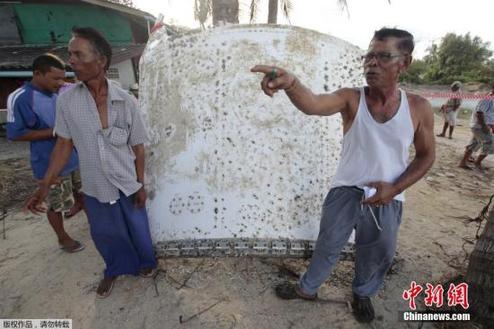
{"points": [[21, 57]]}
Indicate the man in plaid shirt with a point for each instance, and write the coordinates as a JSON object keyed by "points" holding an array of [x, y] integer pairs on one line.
{"points": [[102, 121]]}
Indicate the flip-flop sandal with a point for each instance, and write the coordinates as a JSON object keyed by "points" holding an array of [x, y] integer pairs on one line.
{"points": [[107, 292], [288, 290], [150, 274], [77, 246]]}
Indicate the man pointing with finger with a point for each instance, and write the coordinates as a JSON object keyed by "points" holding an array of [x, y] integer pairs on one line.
{"points": [[380, 122]]}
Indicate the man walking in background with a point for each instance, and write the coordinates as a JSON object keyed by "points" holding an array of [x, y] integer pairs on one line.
{"points": [[450, 110], [482, 127]]}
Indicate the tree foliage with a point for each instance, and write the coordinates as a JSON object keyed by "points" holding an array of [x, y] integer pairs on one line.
{"points": [[456, 57]]}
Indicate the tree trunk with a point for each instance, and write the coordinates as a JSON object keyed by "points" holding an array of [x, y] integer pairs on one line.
{"points": [[480, 275], [273, 12], [225, 11]]}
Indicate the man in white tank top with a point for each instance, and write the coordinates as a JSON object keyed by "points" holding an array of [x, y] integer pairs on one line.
{"points": [[380, 122]]}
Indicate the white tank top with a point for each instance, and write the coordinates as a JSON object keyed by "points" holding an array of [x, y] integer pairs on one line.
{"points": [[374, 151]]}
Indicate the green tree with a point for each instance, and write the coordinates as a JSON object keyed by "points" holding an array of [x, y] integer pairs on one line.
{"points": [[458, 57], [415, 73]]}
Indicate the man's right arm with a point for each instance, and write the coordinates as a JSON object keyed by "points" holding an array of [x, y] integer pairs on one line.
{"points": [[317, 104], [301, 96], [35, 135], [59, 157]]}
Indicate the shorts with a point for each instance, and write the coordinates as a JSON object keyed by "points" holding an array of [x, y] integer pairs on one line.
{"points": [[450, 117], [61, 195], [481, 140]]}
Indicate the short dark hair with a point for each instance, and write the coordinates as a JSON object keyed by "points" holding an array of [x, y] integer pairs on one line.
{"points": [[45, 62], [405, 43], [97, 40]]}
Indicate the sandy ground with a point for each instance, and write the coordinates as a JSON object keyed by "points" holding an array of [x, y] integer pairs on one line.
{"points": [[37, 280]]}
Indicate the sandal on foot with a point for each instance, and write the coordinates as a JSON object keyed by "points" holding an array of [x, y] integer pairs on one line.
{"points": [[105, 287], [147, 272], [362, 309], [77, 246], [288, 290]]}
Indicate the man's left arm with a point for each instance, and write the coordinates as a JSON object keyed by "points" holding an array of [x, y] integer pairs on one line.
{"points": [[137, 137], [425, 154], [140, 196]]}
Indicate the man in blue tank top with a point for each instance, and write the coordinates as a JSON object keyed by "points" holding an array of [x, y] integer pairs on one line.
{"points": [[31, 117], [380, 122]]}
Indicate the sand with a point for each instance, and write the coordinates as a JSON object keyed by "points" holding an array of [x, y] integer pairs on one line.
{"points": [[37, 280]]}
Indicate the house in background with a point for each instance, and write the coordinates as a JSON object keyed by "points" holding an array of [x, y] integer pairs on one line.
{"points": [[30, 28]]}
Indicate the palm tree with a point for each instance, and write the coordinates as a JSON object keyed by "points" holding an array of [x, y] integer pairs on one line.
{"points": [[222, 11], [226, 11], [286, 6]]}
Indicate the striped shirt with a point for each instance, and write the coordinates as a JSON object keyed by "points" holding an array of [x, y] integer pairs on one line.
{"points": [[106, 158], [486, 106]]}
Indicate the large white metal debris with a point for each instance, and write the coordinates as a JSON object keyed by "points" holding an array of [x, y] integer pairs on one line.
{"points": [[227, 164]]}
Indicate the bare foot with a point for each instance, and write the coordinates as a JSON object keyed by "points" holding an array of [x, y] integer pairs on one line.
{"points": [[464, 166], [105, 287]]}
